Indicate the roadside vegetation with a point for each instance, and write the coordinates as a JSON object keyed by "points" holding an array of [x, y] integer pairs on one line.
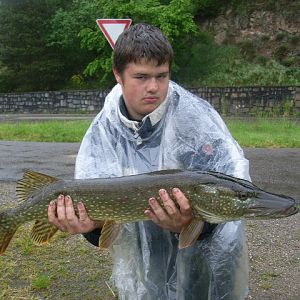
{"points": [[253, 132], [45, 131], [55, 45], [266, 133]]}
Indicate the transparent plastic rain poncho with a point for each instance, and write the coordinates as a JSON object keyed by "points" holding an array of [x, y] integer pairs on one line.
{"points": [[189, 135]]}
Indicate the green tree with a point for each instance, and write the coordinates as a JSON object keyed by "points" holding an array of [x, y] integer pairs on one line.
{"points": [[175, 18], [28, 63]]}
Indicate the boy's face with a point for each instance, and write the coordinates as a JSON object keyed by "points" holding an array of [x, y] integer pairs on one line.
{"points": [[144, 85]]}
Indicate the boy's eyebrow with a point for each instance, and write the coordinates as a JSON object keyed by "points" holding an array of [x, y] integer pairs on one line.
{"points": [[147, 74]]}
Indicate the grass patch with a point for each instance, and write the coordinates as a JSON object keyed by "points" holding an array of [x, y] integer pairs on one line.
{"points": [[267, 280], [260, 132], [42, 281], [266, 133], [67, 268], [45, 131]]}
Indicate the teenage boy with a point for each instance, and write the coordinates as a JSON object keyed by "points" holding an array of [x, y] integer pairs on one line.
{"points": [[149, 123]]}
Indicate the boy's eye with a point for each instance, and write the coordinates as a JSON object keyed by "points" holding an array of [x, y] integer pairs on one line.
{"points": [[145, 77], [140, 77], [162, 76]]}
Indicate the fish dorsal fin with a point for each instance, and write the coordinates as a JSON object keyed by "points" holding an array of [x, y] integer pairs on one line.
{"points": [[109, 233], [42, 232], [189, 235], [31, 182]]}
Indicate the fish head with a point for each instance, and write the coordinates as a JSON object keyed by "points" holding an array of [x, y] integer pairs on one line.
{"points": [[232, 198], [265, 205], [250, 202]]}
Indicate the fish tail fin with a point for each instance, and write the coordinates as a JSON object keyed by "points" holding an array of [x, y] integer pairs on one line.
{"points": [[42, 232], [7, 231]]}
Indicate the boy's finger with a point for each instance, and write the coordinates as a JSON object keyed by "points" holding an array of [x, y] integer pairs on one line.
{"points": [[61, 208], [182, 201], [83, 216], [157, 209], [70, 211], [168, 203], [151, 216], [52, 211]]}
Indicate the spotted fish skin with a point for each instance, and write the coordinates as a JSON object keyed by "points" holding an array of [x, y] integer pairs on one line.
{"points": [[214, 198]]}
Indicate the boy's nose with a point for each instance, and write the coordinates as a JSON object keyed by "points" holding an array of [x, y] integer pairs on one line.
{"points": [[152, 85]]}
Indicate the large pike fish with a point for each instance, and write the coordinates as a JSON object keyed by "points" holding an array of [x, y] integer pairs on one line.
{"points": [[214, 197]]}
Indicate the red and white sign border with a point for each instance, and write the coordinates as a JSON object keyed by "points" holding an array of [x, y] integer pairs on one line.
{"points": [[102, 22]]}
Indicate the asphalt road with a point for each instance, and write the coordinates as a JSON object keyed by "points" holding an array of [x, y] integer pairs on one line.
{"points": [[276, 170]]}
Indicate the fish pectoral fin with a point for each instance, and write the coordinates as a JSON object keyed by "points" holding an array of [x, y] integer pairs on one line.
{"points": [[31, 182], [189, 235], [42, 232], [109, 233]]}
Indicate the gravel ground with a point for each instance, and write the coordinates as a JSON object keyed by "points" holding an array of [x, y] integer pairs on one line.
{"points": [[274, 252]]}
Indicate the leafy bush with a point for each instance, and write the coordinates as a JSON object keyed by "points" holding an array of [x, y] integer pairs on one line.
{"points": [[248, 49], [262, 60], [280, 36], [239, 72], [281, 51]]}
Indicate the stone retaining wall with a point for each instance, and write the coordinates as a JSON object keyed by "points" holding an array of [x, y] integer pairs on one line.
{"points": [[252, 100], [52, 102], [227, 100]]}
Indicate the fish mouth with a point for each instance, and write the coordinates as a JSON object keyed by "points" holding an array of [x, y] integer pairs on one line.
{"points": [[291, 211], [272, 206], [259, 211]]}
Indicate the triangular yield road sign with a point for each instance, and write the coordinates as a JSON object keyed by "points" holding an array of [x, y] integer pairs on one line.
{"points": [[112, 28]]}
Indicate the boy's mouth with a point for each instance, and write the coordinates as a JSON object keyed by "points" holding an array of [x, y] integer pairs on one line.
{"points": [[151, 99]]}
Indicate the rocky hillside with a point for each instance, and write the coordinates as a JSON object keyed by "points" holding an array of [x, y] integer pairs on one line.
{"points": [[262, 29]]}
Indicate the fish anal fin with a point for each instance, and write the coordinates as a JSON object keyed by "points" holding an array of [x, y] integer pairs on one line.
{"points": [[109, 233], [42, 232], [189, 234], [31, 182]]}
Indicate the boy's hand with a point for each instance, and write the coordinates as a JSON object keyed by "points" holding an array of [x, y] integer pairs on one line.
{"points": [[61, 213], [170, 217]]}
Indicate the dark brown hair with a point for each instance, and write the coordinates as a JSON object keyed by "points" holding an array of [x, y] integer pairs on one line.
{"points": [[141, 41]]}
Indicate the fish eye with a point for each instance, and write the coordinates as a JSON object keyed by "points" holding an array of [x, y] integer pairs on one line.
{"points": [[243, 196]]}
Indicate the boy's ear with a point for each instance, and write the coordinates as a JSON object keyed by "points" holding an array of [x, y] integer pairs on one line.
{"points": [[117, 76]]}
